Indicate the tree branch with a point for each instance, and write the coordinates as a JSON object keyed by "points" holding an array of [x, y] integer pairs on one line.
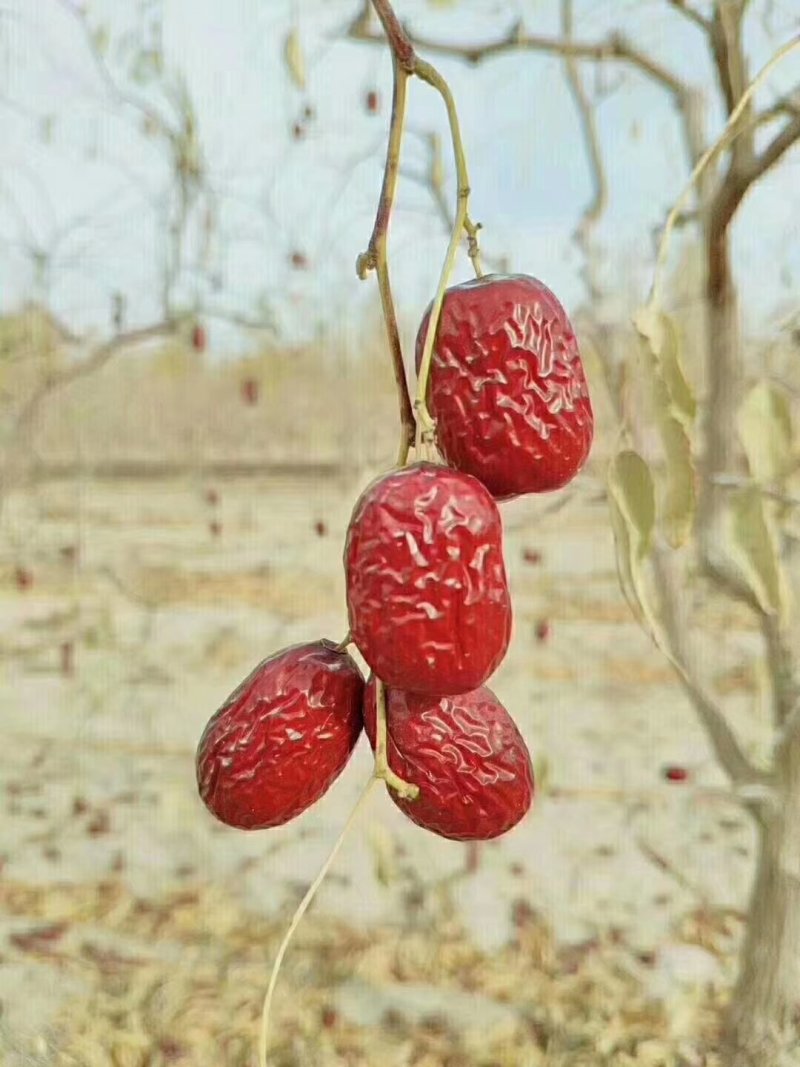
{"points": [[737, 181], [591, 141], [616, 47], [691, 14], [726, 747], [93, 362]]}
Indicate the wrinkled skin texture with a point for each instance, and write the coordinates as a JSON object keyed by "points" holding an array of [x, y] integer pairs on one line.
{"points": [[466, 755], [427, 594], [282, 738], [507, 388]]}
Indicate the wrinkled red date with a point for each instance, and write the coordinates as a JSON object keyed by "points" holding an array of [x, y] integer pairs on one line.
{"points": [[427, 595], [466, 755], [282, 737], [507, 387]]}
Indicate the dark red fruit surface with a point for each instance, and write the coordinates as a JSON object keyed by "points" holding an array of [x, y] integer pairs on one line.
{"points": [[466, 755], [282, 738], [674, 773], [507, 387], [427, 595]]}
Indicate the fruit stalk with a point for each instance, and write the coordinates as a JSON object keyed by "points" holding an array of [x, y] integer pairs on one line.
{"points": [[416, 425], [382, 770]]}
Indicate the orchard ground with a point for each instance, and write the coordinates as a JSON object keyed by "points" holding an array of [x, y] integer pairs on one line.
{"points": [[136, 931]]}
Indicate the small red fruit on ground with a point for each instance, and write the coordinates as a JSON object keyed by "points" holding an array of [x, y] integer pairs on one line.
{"points": [[282, 737], [67, 658], [675, 773], [372, 102], [199, 339], [250, 391], [299, 260], [320, 528], [531, 555], [466, 755], [23, 578], [507, 387], [427, 594], [542, 630]]}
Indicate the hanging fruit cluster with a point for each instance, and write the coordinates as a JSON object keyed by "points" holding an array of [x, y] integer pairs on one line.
{"points": [[427, 593]]}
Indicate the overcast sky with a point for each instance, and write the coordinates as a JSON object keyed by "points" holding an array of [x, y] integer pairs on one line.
{"points": [[80, 180]]}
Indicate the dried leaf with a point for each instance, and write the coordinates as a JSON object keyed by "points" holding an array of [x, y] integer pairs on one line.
{"points": [[754, 548], [660, 333], [541, 773], [100, 39], [632, 505], [631, 485], [674, 409], [295, 61], [764, 422], [679, 501]]}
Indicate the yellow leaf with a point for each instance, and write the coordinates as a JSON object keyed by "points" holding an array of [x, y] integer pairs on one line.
{"points": [[295, 62], [754, 548], [659, 332], [674, 408], [631, 496], [764, 422], [631, 485], [679, 498]]}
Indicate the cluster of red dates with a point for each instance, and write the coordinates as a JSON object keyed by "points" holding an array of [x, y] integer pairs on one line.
{"points": [[427, 593]]}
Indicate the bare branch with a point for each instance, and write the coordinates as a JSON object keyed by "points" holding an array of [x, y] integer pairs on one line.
{"points": [[119, 95], [591, 140], [738, 181], [781, 143], [615, 47], [785, 685], [93, 362], [728, 751], [735, 481], [690, 13]]}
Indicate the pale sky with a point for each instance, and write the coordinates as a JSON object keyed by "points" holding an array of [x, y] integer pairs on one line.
{"points": [[86, 194]]}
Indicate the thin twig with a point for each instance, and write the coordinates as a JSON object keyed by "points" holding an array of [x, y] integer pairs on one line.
{"points": [[615, 47], [736, 481], [302, 908], [94, 362], [591, 139], [768, 157], [376, 258]]}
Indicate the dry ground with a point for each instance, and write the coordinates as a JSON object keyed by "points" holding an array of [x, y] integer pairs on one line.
{"points": [[135, 932]]}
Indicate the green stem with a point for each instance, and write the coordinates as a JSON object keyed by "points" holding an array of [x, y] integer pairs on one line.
{"points": [[425, 424]]}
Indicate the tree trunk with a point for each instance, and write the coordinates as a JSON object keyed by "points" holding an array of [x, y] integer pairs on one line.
{"points": [[724, 378], [763, 1027]]}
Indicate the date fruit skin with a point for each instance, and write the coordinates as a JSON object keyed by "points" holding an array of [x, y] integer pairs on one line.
{"points": [[282, 737], [427, 594], [466, 755], [507, 387]]}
